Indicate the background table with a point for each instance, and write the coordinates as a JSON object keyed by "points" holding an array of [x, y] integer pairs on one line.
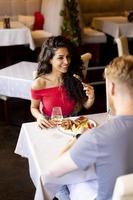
{"points": [[16, 80], [18, 34], [41, 147], [114, 26]]}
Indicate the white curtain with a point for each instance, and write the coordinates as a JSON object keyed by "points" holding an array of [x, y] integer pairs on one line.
{"points": [[51, 11]]}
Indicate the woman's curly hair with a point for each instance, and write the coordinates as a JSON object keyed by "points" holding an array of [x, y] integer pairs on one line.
{"points": [[72, 85]]}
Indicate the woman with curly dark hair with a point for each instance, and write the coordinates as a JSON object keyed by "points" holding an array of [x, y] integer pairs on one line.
{"points": [[55, 84]]}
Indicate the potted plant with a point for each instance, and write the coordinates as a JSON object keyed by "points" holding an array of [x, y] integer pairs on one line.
{"points": [[71, 25]]}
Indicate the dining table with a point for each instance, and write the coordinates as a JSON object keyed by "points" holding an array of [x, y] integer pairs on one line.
{"points": [[16, 80], [41, 147], [17, 34], [114, 26]]}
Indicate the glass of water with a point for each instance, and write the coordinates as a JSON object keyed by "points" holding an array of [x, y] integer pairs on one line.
{"points": [[56, 115]]}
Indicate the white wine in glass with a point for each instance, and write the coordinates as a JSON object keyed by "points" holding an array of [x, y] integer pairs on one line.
{"points": [[56, 115]]}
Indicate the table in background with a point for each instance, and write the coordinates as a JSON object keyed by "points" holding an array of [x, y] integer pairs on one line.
{"points": [[16, 80], [114, 26], [18, 34], [41, 147]]}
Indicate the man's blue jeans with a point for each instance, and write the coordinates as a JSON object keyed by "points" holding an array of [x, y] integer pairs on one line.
{"points": [[63, 193]]}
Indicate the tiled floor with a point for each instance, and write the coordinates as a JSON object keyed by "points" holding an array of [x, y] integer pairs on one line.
{"points": [[15, 183]]}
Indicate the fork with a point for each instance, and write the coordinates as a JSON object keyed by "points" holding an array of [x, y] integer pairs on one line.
{"points": [[78, 77]]}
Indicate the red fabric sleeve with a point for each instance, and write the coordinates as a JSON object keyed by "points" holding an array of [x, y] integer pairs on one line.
{"points": [[35, 94]]}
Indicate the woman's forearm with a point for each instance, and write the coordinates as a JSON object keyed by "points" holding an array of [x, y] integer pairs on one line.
{"points": [[89, 102], [36, 113]]}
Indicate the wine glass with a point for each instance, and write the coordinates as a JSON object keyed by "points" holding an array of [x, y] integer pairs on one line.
{"points": [[56, 115]]}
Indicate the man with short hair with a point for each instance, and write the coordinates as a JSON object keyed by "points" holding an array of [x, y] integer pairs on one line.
{"points": [[108, 147]]}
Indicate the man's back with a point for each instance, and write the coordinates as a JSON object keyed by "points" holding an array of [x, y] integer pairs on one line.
{"points": [[109, 147]]}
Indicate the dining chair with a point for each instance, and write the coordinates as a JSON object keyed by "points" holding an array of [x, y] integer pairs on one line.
{"points": [[85, 58], [123, 188], [122, 46], [39, 36]]}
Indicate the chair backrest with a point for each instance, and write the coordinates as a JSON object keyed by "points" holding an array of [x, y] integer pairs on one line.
{"points": [[122, 45], [123, 188], [85, 58]]}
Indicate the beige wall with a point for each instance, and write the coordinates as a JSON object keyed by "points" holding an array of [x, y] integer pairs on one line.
{"points": [[91, 8], [15, 7]]}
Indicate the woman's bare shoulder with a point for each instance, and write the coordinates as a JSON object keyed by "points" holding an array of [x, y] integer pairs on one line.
{"points": [[39, 83]]}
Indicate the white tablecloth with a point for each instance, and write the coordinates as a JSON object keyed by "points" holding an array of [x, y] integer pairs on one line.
{"points": [[18, 34], [41, 147], [113, 26], [16, 80]]}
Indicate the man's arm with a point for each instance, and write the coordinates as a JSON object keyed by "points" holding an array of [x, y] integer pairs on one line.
{"points": [[64, 164], [67, 146]]}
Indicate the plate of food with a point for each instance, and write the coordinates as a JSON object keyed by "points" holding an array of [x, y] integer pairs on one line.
{"points": [[76, 126]]}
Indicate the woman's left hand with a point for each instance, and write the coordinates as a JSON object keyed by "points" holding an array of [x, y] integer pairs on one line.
{"points": [[89, 90]]}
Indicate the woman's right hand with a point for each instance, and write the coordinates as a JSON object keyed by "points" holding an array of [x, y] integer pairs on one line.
{"points": [[43, 122]]}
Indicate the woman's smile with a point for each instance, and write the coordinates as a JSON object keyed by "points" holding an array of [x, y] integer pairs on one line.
{"points": [[61, 60]]}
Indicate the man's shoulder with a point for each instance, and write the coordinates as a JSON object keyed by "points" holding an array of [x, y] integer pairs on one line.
{"points": [[115, 122], [109, 129], [118, 124]]}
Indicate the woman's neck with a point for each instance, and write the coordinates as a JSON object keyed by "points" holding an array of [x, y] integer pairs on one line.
{"points": [[55, 78]]}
